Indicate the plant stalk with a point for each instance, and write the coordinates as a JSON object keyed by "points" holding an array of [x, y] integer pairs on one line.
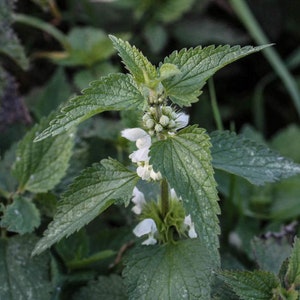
{"points": [[242, 10], [46, 27], [214, 104]]}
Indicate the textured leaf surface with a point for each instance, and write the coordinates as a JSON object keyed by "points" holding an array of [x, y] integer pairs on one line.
{"points": [[247, 285], [113, 92], [136, 63], [175, 271], [21, 216], [270, 253], [92, 192], [250, 160], [23, 277], [293, 272], [185, 160], [196, 66], [108, 288], [40, 166], [9, 42]]}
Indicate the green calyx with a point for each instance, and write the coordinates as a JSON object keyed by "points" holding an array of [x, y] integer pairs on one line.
{"points": [[171, 226]]}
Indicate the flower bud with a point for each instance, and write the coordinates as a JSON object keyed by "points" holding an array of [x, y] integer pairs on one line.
{"points": [[149, 124], [164, 120], [167, 110], [158, 128]]}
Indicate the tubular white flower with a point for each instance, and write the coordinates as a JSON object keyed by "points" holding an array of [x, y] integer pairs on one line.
{"points": [[144, 171], [139, 200], [191, 227], [139, 155], [147, 226], [182, 120], [132, 134]]}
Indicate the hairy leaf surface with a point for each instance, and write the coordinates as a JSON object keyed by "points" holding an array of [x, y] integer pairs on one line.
{"points": [[293, 272], [21, 216], [97, 188], [196, 65], [173, 271], [247, 285], [136, 63], [185, 160], [248, 159], [113, 92], [40, 166], [21, 276]]}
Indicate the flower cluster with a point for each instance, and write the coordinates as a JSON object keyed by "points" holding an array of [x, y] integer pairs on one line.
{"points": [[161, 118], [141, 156], [149, 226], [168, 120]]}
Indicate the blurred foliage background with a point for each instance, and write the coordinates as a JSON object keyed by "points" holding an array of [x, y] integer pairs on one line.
{"points": [[51, 50]]}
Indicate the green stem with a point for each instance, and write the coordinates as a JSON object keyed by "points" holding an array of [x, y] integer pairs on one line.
{"points": [[164, 197], [214, 104], [246, 16], [46, 27], [84, 262]]}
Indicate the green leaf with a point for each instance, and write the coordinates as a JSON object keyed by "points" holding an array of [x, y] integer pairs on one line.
{"points": [[270, 253], [196, 65], [136, 63], [168, 70], [21, 216], [113, 92], [172, 271], [108, 288], [88, 45], [285, 199], [172, 10], [10, 44], [97, 188], [23, 277], [185, 161], [248, 159], [40, 166], [293, 272], [247, 285], [42, 101]]}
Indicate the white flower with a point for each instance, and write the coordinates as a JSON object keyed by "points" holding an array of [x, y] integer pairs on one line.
{"points": [[141, 156], [145, 171], [138, 135], [191, 227], [139, 200], [182, 120], [147, 226]]}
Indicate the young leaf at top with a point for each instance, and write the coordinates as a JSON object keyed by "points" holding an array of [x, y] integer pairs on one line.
{"points": [[113, 92], [21, 276], [185, 161], [21, 216], [40, 166], [97, 188], [248, 159], [136, 63], [251, 285], [172, 271], [196, 65], [293, 272]]}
